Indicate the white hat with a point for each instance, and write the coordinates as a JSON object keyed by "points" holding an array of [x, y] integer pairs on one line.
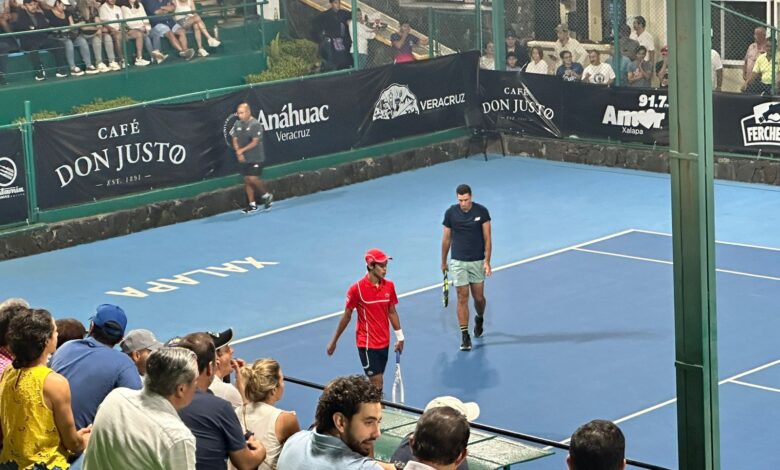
{"points": [[470, 409]]}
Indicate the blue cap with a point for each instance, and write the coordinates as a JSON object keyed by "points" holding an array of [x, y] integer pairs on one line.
{"points": [[111, 319]]}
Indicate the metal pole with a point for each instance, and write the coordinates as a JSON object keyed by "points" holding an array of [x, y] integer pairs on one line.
{"points": [[497, 16], [691, 162], [478, 6], [431, 35], [29, 164], [355, 52], [617, 61]]}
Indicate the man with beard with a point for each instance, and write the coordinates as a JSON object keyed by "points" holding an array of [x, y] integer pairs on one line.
{"points": [[347, 426]]}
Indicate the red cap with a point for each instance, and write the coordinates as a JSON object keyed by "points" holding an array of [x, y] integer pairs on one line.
{"points": [[375, 255]]}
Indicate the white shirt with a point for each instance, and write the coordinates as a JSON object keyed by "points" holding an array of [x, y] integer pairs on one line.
{"points": [[139, 12], [364, 34], [644, 39], [487, 63], [540, 67], [226, 392], [184, 5], [139, 429], [412, 465], [111, 13], [260, 418], [717, 64], [599, 74]]}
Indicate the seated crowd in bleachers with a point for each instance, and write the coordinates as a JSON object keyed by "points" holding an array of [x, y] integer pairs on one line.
{"points": [[118, 21], [84, 403]]}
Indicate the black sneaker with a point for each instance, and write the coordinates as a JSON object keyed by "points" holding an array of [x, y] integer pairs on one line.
{"points": [[40, 75], [465, 342], [478, 330], [250, 209], [268, 198]]}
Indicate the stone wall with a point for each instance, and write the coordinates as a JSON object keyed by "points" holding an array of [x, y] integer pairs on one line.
{"points": [[100, 227]]}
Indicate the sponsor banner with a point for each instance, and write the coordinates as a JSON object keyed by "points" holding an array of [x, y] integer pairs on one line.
{"points": [[416, 98], [107, 155], [13, 187], [746, 123], [526, 103], [624, 114]]}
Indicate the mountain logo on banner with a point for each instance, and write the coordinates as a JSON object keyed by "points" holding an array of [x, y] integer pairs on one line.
{"points": [[7, 172], [763, 126], [394, 101]]}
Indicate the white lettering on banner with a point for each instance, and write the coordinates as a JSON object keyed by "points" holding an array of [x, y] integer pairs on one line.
{"points": [[763, 126], [517, 105], [291, 117], [631, 122], [442, 102], [292, 135], [126, 155], [120, 130], [163, 284]]}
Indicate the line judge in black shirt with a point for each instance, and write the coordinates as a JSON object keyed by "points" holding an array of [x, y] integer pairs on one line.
{"points": [[467, 231]]}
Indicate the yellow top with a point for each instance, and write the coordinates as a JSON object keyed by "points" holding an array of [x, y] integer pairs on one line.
{"points": [[763, 66], [30, 435]]}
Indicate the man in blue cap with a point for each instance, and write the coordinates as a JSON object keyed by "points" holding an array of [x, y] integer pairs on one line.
{"points": [[92, 365]]}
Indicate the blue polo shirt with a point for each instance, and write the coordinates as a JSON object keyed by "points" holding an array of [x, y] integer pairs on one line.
{"points": [[468, 243], [93, 371], [314, 451], [150, 6], [216, 428]]}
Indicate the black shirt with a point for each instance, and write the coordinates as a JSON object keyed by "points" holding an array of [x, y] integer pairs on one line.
{"points": [[246, 132], [468, 243], [403, 454]]}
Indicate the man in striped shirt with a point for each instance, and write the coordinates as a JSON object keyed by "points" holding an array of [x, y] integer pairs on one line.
{"points": [[375, 299]]}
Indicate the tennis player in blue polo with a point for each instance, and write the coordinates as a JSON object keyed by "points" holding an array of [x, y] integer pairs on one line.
{"points": [[467, 232]]}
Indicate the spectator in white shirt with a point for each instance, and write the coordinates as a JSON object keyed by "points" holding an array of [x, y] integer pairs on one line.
{"points": [[365, 33], [138, 30], [488, 59], [598, 72], [644, 38], [141, 428], [191, 20], [537, 64], [567, 43], [717, 70], [109, 11]]}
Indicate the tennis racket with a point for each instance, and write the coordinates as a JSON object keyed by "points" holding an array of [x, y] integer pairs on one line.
{"points": [[445, 293], [398, 381]]}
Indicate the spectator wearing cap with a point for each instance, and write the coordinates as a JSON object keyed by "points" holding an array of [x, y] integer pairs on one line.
{"points": [[69, 329], [348, 416], [141, 428], [263, 388], [375, 299], [138, 345], [643, 37], [35, 411], [8, 310], [226, 364], [92, 365], [598, 444], [440, 440], [469, 411], [567, 43], [212, 420]]}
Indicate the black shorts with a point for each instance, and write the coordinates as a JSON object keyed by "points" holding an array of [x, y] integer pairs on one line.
{"points": [[373, 360], [251, 169]]}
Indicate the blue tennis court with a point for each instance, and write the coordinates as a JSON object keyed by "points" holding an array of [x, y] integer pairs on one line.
{"points": [[580, 314]]}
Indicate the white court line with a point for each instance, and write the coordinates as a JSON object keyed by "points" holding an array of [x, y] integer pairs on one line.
{"points": [[436, 286], [760, 387], [732, 379], [661, 261], [651, 232]]}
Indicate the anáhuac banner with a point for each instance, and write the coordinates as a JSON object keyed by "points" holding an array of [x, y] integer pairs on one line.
{"points": [[90, 158], [13, 187], [527, 103]]}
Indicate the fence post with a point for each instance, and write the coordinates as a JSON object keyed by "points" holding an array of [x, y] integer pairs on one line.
{"points": [[617, 57], [773, 43], [478, 6], [355, 35], [29, 163], [431, 36], [497, 16]]}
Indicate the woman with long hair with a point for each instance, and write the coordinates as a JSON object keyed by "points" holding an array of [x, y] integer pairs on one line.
{"points": [[35, 413], [263, 386]]}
